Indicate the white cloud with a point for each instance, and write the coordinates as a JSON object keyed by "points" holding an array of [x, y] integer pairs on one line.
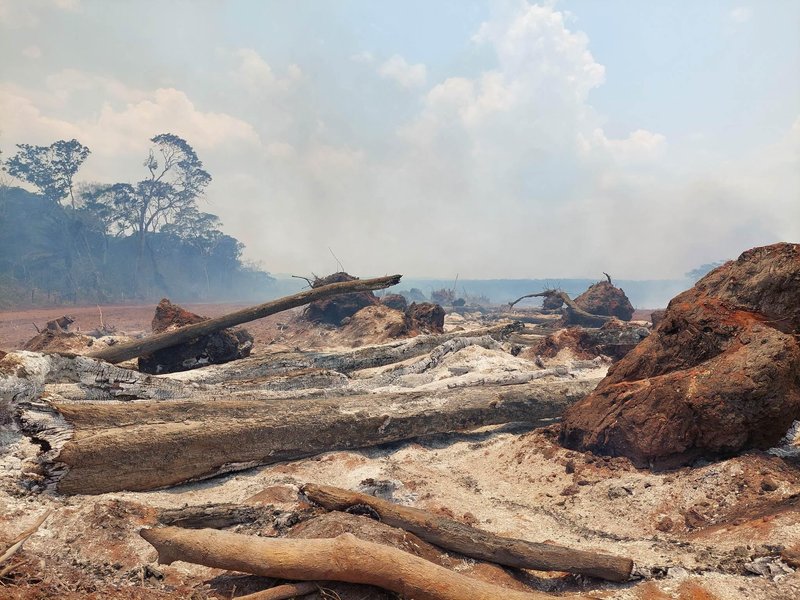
{"points": [[402, 73], [364, 58], [255, 74], [32, 52], [26, 14], [740, 14]]}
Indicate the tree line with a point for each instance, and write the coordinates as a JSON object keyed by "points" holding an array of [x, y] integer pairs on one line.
{"points": [[83, 242]]}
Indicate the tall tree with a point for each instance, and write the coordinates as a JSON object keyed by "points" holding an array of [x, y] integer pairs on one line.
{"points": [[175, 180], [51, 169]]}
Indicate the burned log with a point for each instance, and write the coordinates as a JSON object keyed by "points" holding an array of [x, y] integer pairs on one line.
{"points": [[574, 314], [344, 558], [121, 352], [476, 543], [104, 447]]}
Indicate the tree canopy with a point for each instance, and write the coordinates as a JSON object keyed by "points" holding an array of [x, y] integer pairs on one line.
{"points": [[120, 240], [51, 169]]}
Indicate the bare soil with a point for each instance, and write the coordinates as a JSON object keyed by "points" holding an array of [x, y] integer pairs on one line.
{"points": [[713, 531]]}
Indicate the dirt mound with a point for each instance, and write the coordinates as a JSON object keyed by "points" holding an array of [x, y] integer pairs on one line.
{"points": [[720, 373], [614, 339], [53, 340], [220, 347], [395, 301], [603, 298], [333, 311], [427, 316], [169, 316], [375, 325]]}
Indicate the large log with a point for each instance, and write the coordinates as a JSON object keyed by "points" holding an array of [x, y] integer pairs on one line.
{"points": [[105, 447], [343, 558], [476, 543], [121, 352]]}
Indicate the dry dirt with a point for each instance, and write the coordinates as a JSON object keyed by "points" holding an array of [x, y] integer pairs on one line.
{"points": [[713, 531]]}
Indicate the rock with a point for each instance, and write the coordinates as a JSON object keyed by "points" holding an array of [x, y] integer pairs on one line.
{"points": [[333, 311], [619, 491], [603, 298], [720, 374], [665, 524], [427, 316], [791, 556], [768, 484], [657, 316], [395, 301], [220, 347]]}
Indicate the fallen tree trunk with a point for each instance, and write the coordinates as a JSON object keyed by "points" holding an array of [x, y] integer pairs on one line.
{"points": [[107, 447], [121, 352], [343, 558], [575, 315], [476, 543]]}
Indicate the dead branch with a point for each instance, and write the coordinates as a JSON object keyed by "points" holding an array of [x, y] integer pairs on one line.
{"points": [[608, 277], [36, 328], [473, 542], [310, 283], [18, 541], [575, 314], [343, 558], [121, 352]]}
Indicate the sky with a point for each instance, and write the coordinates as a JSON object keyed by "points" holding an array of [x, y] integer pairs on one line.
{"points": [[487, 139]]}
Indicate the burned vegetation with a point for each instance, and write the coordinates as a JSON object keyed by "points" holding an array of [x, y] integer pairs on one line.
{"points": [[360, 446]]}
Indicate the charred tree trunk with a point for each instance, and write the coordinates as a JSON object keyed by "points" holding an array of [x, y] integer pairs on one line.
{"points": [[121, 352]]}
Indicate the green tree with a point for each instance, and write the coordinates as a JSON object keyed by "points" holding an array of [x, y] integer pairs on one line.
{"points": [[51, 169], [175, 181]]}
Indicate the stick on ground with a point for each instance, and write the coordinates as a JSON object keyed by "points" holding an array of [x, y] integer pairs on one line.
{"points": [[343, 558], [473, 542]]}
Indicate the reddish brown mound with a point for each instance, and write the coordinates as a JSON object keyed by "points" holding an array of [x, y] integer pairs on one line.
{"points": [[220, 347], [614, 339], [333, 311], [171, 316], [427, 316], [395, 301], [721, 373], [603, 298]]}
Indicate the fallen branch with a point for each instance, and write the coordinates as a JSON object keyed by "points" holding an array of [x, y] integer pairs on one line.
{"points": [[575, 314], [98, 447], [283, 592], [148, 345], [18, 541], [473, 542], [343, 558]]}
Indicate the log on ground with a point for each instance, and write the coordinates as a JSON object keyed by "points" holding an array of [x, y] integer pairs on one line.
{"points": [[344, 558], [148, 345], [476, 543], [106, 447]]}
